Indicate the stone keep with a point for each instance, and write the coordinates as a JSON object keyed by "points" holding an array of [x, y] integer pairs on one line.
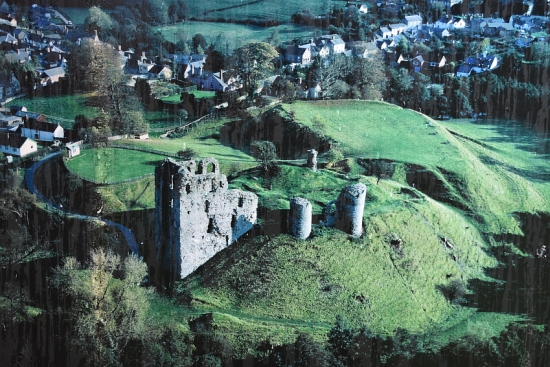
{"points": [[300, 218], [196, 215], [349, 208]]}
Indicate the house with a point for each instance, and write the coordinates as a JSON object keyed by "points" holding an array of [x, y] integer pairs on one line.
{"points": [[14, 144], [363, 9], [458, 23], [9, 123], [334, 42], [384, 32], [41, 130], [161, 72], [51, 76], [72, 150], [298, 55], [412, 21], [477, 65], [363, 49], [221, 81], [187, 64], [9, 86], [442, 32], [416, 63], [19, 56], [397, 29]]}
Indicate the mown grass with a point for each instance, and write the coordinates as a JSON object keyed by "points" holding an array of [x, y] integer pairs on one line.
{"points": [[106, 165], [129, 195], [66, 107], [479, 177], [201, 140]]}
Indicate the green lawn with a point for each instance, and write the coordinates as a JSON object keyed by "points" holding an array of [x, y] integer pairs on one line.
{"points": [[62, 109], [108, 165], [197, 93]]}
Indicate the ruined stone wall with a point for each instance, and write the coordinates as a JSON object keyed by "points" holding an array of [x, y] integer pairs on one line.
{"points": [[197, 216]]}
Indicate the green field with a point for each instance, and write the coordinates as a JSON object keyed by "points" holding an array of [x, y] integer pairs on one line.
{"points": [[107, 165], [255, 10], [197, 93], [232, 35], [62, 109], [76, 15]]}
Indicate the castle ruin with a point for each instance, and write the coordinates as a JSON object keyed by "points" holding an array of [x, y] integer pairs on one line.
{"points": [[349, 207], [196, 215], [300, 218]]}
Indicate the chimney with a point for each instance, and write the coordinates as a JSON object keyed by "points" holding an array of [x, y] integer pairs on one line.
{"points": [[192, 69], [221, 74], [119, 47], [60, 57], [143, 54]]}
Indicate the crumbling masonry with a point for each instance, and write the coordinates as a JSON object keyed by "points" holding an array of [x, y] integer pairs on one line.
{"points": [[349, 208], [196, 215]]}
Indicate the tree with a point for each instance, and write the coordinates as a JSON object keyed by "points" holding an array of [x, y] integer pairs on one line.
{"points": [[199, 41], [98, 20], [330, 74], [177, 11], [107, 312], [400, 86], [340, 339], [265, 153], [369, 76], [309, 353], [253, 62]]}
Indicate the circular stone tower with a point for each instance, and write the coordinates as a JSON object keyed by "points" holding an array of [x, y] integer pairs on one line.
{"points": [[350, 206], [300, 218]]}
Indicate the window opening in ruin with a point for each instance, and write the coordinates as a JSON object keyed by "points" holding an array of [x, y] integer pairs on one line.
{"points": [[233, 221], [206, 206], [241, 202], [213, 185], [210, 225], [221, 184], [227, 240], [188, 188]]}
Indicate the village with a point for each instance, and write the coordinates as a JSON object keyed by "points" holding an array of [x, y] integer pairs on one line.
{"points": [[38, 46]]}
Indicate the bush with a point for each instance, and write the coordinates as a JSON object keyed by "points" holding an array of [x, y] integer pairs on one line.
{"points": [[265, 153], [187, 154]]}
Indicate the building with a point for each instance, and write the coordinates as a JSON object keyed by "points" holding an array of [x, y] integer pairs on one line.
{"points": [[14, 144], [41, 130]]}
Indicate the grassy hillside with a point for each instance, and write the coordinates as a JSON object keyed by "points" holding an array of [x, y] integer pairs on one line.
{"points": [[479, 176], [415, 250]]}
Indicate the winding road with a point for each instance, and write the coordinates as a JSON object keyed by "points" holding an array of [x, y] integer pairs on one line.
{"points": [[29, 182]]}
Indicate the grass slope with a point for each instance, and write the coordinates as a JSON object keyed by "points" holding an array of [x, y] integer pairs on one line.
{"points": [[479, 176], [367, 280], [377, 280]]}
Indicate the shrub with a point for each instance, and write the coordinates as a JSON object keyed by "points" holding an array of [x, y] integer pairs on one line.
{"points": [[187, 154]]}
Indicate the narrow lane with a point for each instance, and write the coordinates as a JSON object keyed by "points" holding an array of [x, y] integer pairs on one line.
{"points": [[29, 182]]}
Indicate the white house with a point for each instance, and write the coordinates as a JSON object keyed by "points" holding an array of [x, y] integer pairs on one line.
{"points": [[412, 21], [397, 29], [363, 9], [13, 144], [41, 130]]}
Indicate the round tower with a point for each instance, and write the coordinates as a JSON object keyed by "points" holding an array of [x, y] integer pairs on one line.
{"points": [[300, 218], [350, 207]]}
